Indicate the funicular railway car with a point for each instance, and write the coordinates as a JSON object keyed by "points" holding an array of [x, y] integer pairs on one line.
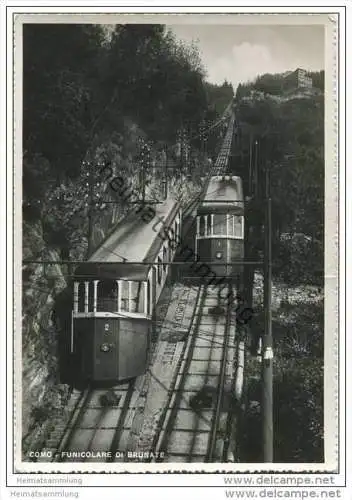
{"points": [[220, 226], [114, 301]]}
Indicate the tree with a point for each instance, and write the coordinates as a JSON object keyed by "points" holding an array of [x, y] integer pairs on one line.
{"points": [[318, 79], [290, 136], [298, 424], [269, 84], [219, 95], [85, 87], [60, 75]]}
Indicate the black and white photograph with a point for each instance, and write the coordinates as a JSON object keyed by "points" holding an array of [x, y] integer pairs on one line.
{"points": [[177, 187]]}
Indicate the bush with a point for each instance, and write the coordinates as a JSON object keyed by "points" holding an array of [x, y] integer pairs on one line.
{"points": [[298, 410]]}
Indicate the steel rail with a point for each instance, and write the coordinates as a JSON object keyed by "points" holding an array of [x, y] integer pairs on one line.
{"points": [[160, 441], [120, 424], [174, 380], [221, 384], [72, 424], [177, 392]]}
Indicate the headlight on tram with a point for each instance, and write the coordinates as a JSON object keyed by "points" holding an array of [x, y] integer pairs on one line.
{"points": [[105, 347], [218, 255]]}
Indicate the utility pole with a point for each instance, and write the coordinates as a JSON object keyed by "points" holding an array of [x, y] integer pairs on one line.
{"points": [[256, 177], [166, 172], [143, 182], [90, 210], [144, 159], [182, 148], [250, 166], [267, 353]]}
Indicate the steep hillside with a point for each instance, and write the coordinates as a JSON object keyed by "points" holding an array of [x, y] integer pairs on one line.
{"points": [[286, 135], [133, 98], [282, 130]]}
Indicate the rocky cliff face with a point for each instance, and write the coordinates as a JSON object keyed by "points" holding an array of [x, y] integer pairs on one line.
{"points": [[43, 394]]}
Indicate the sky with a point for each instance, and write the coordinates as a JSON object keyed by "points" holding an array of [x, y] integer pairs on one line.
{"points": [[238, 53]]}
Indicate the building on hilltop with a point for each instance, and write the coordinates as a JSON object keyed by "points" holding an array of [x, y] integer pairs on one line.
{"points": [[298, 78]]}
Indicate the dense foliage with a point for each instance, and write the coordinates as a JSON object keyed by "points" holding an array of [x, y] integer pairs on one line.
{"points": [[282, 131], [277, 84], [123, 94], [286, 136], [219, 95]]}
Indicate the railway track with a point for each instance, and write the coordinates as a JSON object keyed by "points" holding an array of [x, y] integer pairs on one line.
{"points": [[223, 157], [219, 168], [193, 419], [194, 414], [99, 427]]}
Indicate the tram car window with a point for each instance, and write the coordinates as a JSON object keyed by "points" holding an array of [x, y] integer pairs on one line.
{"points": [[208, 223], [230, 225], [160, 271], [149, 305], [81, 297], [238, 224], [220, 224], [114, 301], [107, 296], [91, 296], [201, 230], [164, 258], [137, 297]]}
